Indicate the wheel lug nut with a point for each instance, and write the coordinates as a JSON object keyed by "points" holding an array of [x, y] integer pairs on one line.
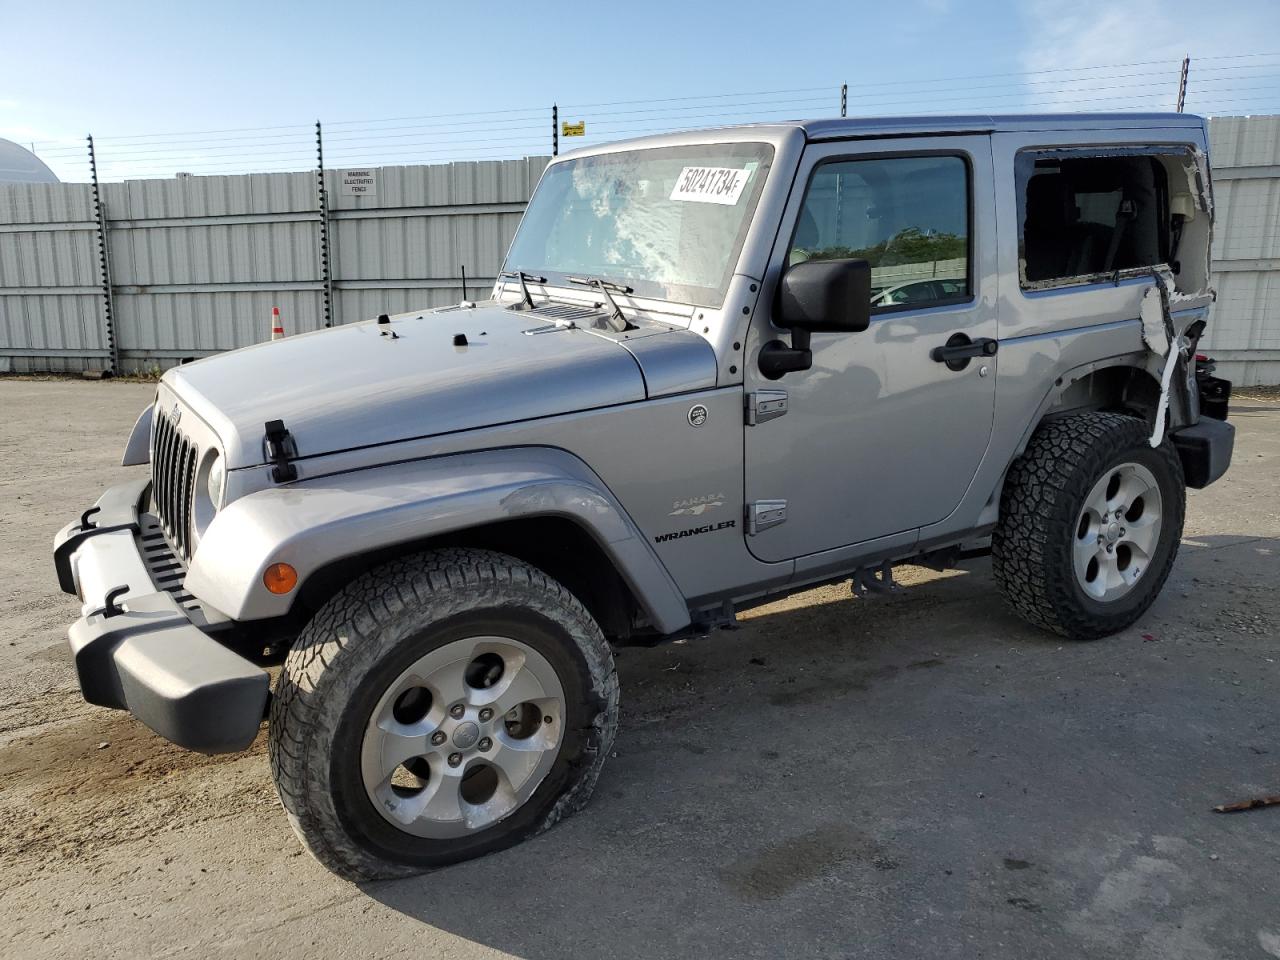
{"points": [[456, 711], [437, 738], [455, 759], [486, 715], [546, 719], [484, 744]]}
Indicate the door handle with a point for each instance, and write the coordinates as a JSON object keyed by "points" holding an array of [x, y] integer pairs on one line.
{"points": [[959, 350]]}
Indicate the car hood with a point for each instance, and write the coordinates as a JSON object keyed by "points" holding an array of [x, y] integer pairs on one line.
{"points": [[373, 383]]}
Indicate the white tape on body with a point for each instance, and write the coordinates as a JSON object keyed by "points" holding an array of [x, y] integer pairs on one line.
{"points": [[1170, 363], [1158, 333], [710, 185]]}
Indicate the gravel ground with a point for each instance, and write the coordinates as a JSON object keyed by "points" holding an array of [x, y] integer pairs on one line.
{"points": [[911, 777]]}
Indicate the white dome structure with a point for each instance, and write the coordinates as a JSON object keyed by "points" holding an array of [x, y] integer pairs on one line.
{"points": [[19, 165]]}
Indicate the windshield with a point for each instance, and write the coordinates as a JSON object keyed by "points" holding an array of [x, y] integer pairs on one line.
{"points": [[668, 221]]}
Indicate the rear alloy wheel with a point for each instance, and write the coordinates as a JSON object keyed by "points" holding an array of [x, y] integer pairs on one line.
{"points": [[1090, 521], [1118, 532], [439, 708]]}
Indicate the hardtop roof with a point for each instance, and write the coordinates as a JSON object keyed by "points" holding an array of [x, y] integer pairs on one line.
{"points": [[840, 128], [852, 128]]}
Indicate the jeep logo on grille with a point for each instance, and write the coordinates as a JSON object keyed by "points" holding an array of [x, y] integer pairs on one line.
{"points": [[177, 413]]}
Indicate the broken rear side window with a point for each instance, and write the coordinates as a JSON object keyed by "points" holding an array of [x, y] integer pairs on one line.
{"points": [[1083, 218]]}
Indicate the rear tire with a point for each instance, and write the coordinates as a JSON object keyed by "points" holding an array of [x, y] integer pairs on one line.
{"points": [[1090, 521], [392, 745]]}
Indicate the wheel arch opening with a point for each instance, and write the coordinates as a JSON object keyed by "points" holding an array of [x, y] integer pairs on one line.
{"points": [[558, 546], [1121, 388]]}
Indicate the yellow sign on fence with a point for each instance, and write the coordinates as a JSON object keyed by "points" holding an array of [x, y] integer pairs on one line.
{"points": [[578, 129]]}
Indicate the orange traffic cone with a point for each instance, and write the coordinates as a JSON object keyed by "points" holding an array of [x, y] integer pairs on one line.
{"points": [[277, 331]]}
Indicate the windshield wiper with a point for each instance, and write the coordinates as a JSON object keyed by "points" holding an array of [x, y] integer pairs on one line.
{"points": [[616, 319], [523, 278]]}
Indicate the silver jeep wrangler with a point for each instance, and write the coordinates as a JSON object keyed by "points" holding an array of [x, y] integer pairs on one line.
{"points": [[719, 367]]}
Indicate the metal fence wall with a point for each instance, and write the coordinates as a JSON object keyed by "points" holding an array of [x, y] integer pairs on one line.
{"points": [[1244, 328], [51, 304], [405, 249], [196, 264]]}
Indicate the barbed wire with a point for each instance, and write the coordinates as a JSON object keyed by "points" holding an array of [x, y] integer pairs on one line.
{"points": [[1247, 83]]}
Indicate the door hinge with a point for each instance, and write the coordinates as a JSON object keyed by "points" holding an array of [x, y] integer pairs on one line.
{"points": [[765, 405], [763, 514]]}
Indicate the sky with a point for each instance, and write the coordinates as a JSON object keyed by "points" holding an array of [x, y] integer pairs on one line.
{"points": [[231, 86]]}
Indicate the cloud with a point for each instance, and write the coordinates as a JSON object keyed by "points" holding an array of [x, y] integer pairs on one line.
{"points": [[1090, 32], [1066, 38]]}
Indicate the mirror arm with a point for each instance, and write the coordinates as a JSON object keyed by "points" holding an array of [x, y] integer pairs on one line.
{"points": [[776, 358]]}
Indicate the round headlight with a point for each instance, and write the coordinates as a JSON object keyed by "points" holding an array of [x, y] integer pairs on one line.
{"points": [[215, 481]]}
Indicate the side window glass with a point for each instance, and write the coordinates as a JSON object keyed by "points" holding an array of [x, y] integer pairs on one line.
{"points": [[1082, 219], [906, 216]]}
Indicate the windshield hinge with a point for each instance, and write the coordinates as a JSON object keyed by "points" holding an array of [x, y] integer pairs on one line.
{"points": [[763, 514], [765, 405]]}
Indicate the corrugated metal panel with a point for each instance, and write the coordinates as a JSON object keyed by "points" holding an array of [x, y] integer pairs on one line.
{"points": [[253, 193], [406, 248], [51, 315], [45, 203], [197, 263], [1244, 327], [199, 322], [1244, 142]]}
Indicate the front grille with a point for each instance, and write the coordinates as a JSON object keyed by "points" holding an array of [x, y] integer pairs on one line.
{"points": [[169, 573], [173, 479], [167, 570]]}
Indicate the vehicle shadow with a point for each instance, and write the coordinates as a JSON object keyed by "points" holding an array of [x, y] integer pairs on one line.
{"points": [[910, 776]]}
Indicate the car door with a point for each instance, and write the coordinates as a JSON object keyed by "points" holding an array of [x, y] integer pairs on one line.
{"points": [[878, 438]]}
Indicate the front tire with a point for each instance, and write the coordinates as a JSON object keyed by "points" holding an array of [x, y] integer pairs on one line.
{"points": [[1090, 521], [441, 707]]}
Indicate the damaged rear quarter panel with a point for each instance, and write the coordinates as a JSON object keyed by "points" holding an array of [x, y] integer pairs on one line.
{"points": [[1100, 299], [1046, 335]]}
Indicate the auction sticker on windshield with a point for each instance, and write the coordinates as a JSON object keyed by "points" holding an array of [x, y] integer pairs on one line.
{"points": [[710, 185]]}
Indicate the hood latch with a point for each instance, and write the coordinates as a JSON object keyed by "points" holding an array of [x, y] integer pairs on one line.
{"points": [[280, 450]]}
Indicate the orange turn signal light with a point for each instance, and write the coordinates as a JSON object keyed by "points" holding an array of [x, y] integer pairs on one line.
{"points": [[280, 578]]}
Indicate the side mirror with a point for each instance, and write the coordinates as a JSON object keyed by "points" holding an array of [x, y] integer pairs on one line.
{"points": [[822, 296], [826, 295]]}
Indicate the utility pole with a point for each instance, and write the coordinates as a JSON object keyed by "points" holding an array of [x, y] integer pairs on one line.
{"points": [[1182, 83]]}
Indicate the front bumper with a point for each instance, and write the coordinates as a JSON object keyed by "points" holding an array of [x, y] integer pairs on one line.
{"points": [[135, 646]]}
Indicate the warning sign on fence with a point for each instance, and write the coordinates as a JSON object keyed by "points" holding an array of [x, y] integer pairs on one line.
{"points": [[578, 129], [359, 183]]}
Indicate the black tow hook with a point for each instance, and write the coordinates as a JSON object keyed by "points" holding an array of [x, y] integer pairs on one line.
{"points": [[109, 606], [85, 523]]}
